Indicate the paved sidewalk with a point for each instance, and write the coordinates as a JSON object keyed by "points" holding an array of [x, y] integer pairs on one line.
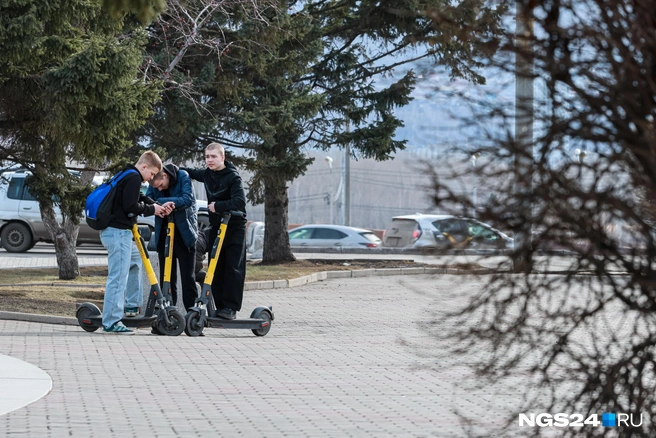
{"points": [[49, 261], [344, 357]]}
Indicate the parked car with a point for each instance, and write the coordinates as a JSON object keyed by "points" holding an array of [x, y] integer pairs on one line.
{"points": [[443, 232], [255, 238], [333, 236], [21, 226]]}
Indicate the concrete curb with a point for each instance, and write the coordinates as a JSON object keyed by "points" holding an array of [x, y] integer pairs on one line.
{"points": [[33, 317], [327, 275], [256, 285]]}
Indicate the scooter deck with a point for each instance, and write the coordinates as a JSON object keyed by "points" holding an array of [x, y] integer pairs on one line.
{"points": [[128, 322], [248, 323]]}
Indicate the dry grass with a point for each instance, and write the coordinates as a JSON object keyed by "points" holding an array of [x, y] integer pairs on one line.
{"points": [[61, 300], [47, 300], [254, 271], [88, 275]]}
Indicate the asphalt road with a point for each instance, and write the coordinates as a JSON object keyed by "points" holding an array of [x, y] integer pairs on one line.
{"points": [[43, 255]]}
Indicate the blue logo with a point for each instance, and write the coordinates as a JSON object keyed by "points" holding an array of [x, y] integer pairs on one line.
{"points": [[608, 420]]}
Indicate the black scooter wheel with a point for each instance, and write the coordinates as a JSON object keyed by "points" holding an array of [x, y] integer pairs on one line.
{"points": [[194, 326], [266, 317], [83, 314], [176, 323]]}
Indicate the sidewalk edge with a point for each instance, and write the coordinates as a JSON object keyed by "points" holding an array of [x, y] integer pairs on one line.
{"points": [[377, 272], [33, 317]]}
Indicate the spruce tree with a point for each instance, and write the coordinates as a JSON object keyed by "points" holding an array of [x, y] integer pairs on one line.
{"points": [[69, 93], [297, 77]]}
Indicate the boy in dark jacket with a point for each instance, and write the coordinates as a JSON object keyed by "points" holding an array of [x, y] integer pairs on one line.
{"points": [[224, 194], [173, 185], [123, 289]]}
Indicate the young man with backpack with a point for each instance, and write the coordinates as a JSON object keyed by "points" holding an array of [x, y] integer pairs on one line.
{"points": [[123, 289]]}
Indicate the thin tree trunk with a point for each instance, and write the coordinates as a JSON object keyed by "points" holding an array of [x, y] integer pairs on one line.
{"points": [[64, 237], [276, 240]]}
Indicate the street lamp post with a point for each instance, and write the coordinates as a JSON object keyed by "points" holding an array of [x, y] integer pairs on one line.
{"points": [[524, 112], [475, 157], [329, 160]]}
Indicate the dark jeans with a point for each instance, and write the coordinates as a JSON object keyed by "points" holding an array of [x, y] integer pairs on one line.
{"points": [[228, 282], [186, 259]]}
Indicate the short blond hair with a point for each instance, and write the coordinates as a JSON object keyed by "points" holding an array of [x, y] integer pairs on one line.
{"points": [[151, 159], [216, 147]]}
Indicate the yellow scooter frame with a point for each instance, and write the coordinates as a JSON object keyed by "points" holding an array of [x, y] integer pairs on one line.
{"points": [[170, 322], [204, 312]]}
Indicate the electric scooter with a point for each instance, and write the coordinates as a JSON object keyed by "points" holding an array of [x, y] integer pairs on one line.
{"points": [[168, 265], [204, 312], [159, 312]]}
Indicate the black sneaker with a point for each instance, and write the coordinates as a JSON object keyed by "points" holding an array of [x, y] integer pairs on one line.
{"points": [[226, 314]]}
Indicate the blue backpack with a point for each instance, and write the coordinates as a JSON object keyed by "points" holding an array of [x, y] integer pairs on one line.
{"points": [[100, 202]]}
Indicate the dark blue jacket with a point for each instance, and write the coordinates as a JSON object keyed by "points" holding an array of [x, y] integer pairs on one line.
{"points": [[181, 192]]}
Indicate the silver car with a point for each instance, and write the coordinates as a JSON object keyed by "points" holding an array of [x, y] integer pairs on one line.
{"points": [[443, 232], [21, 226], [333, 236]]}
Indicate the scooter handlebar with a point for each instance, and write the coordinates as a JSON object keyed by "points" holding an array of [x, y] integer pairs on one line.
{"points": [[232, 213]]}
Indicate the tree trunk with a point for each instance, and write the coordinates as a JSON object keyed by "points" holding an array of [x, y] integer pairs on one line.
{"points": [[276, 205], [64, 237]]}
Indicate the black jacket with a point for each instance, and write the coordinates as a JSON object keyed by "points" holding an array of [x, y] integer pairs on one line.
{"points": [[130, 202], [224, 188]]}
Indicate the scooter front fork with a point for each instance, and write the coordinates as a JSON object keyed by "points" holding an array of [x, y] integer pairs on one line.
{"points": [[201, 310]]}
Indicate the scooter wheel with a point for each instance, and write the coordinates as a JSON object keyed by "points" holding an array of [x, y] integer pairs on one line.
{"points": [[194, 326], [176, 326], [83, 314], [266, 317], [154, 330]]}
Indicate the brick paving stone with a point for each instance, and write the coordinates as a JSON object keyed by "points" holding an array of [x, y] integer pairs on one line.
{"points": [[344, 358]]}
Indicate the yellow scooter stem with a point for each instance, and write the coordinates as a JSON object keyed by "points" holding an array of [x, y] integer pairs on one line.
{"points": [[168, 261], [141, 245], [214, 259]]}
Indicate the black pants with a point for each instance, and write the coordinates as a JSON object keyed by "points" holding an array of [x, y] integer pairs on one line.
{"points": [[228, 282], [186, 258]]}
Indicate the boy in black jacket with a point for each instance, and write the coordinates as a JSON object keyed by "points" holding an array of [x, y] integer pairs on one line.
{"points": [[123, 289], [225, 193]]}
